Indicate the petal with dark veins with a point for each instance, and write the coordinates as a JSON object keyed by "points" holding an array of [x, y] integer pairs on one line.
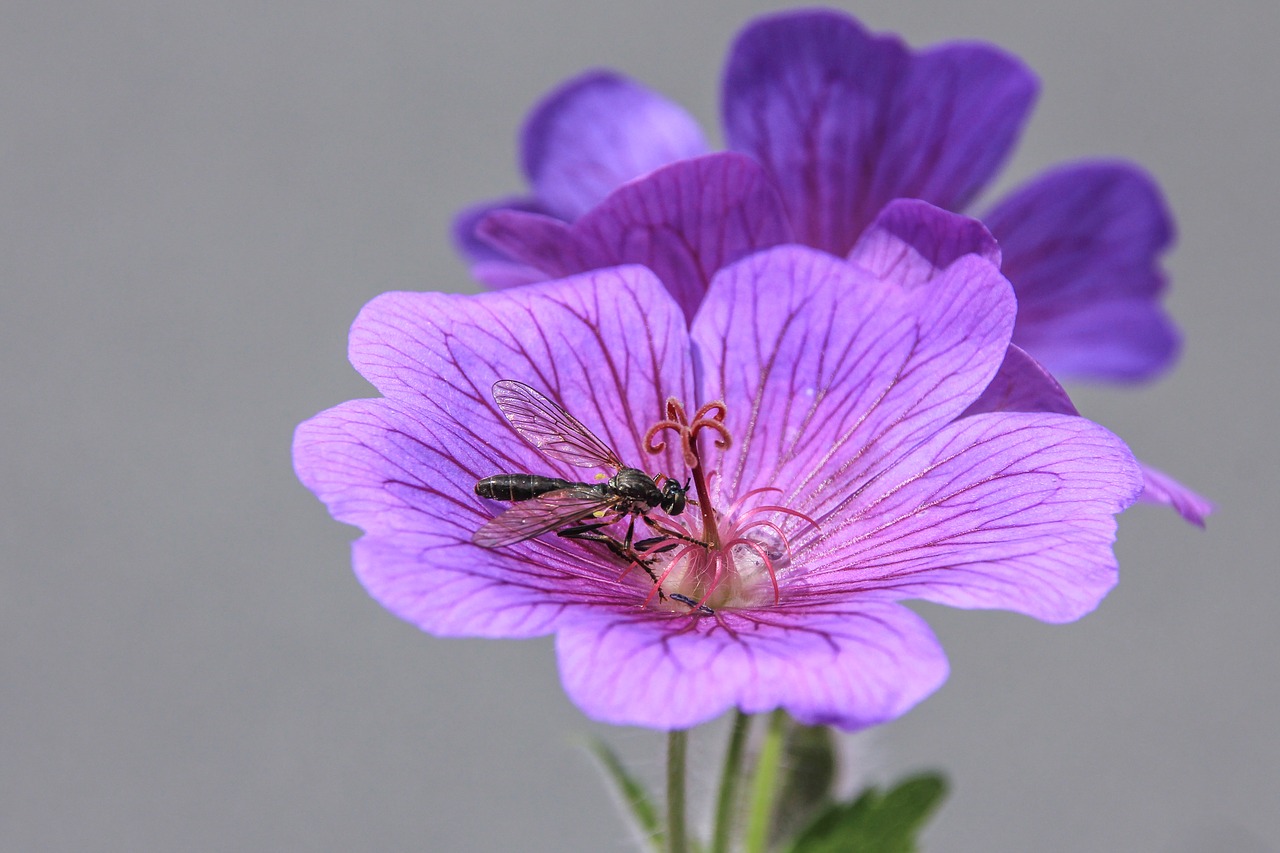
{"points": [[846, 121], [849, 664]]}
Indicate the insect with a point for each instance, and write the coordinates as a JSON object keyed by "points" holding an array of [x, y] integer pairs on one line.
{"points": [[545, 504]]}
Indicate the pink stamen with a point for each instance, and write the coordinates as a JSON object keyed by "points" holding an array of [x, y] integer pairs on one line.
{"points": [[776, 529]]}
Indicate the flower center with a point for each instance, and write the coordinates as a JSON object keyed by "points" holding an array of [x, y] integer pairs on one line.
{"points": [[724, 559]]}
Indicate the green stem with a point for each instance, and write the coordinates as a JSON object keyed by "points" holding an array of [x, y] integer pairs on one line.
{"points": [[677, 746], [729, 777], [765, 783]]}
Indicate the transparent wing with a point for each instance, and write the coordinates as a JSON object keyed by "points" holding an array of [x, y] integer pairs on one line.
{"points": [[550, 428], [542, 514]]}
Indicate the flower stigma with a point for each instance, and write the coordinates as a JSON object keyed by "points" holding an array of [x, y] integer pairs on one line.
{"points": [[728, 559]]}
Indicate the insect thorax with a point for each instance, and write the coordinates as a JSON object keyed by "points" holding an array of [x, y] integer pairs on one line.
{"points": [[635, 485]]}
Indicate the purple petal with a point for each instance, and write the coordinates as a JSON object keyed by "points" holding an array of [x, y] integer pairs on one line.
{"points": [[911, 241], [501, 275], [596, 132], [1122, 339], [609, 346], [1160, 488], [850, 665], [1081, 245], [407, 477], [539, 242], [489, 264], [1022, 385], [469, 243], [829, 372], [684, 221], [1011, 511], [846, 121]]}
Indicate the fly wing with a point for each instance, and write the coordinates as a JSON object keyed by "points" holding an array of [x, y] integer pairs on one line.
{"points": [[550, 428], [542, 514]]}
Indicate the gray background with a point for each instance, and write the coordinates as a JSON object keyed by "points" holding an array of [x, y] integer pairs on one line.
{"points": [[198, 198]]}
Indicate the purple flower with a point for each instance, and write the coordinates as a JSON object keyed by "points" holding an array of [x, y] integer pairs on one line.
{"points": [[835, 123], [840, 470]]}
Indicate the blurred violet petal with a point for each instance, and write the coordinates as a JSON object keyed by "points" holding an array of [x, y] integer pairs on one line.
{"points": [[846, 121], [598, 131], [489, 264], [911, 241], [845, 663], [472, 246], [500, 275], [1023, 385], [683, 221], [537, 241], [1120, 339], [1082, 245], [1160, 488]]}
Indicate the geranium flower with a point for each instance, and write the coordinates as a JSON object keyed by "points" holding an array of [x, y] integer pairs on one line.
{"points": [[838, 473], [835, 123]]}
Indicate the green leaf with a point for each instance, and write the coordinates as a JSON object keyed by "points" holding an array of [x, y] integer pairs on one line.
{"points": [[876, 822], [631, 792], [809, 774]]}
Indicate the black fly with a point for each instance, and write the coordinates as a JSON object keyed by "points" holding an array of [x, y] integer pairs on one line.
{"points": [[544, 504]]}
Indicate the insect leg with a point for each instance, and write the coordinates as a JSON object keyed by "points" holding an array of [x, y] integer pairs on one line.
{"points": [[668, 532], [693, 605], [591, 533]]}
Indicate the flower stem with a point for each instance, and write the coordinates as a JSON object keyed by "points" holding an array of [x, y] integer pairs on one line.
{"points": [[765, 783], [677, 745], [729, 776]]}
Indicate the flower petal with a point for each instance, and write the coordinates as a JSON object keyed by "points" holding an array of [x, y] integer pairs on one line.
{"points": [[846, 121], [540, 242], [911, 241], [489, 264], [1022, 385], [406, 477], [1081, 245], [465, 237], [840, 663], [1014, 511], [829, 373], [1160, 488], [596, 132], [684, 221], [609, 346]]}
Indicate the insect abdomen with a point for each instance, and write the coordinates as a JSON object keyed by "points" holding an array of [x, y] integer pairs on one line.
{"points": [[518, 487]]}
